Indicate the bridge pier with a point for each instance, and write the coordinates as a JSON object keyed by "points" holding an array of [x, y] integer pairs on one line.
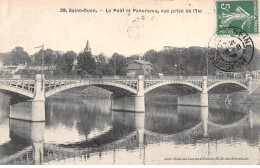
{"points": [[193, 100], [31, 110], [39, 88], [139, 98], [131, 103], [204, 114], [196, 99], [134, 120], [138, 105]]}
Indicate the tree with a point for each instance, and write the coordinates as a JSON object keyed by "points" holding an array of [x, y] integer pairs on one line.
{"points": [[87, 62], [109, 69], [37, 58], [19, 56], [6, 58], [132, 57], [61, 68], [119, 64], [69, 58], [100, 64], [50, 57]]}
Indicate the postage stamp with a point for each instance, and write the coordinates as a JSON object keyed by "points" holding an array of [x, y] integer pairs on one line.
{"points": [[233, 52], [239, 13]]}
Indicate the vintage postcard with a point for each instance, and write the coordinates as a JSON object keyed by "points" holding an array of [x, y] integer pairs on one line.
{"points": [[129, 82]]}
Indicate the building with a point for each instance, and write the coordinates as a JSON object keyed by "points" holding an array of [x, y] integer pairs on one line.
{"points": [[75, 67], [139, 67], [12, 69], [87, 48]]}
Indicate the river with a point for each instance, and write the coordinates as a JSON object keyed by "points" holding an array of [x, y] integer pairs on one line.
{"points": [[80, 130]]}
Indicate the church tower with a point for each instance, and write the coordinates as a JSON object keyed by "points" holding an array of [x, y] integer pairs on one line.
{"points": [[87, 48]]}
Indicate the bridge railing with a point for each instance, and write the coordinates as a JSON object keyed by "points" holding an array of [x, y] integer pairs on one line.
{"points": [[191, 77], [87, 77], [103, 77], [227, 77], [175, 78], [92, 80]]}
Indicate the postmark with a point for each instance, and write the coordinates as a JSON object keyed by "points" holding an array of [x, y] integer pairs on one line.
{"points": [[238, 13], [233, 52]]}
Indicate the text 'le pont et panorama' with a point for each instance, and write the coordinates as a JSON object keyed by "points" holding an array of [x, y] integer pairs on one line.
{"points": [[116, 10]]}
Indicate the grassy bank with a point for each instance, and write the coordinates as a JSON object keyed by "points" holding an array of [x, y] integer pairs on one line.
{"points": [[90, 91]]}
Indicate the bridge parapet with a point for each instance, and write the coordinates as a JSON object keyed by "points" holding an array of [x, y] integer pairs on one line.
{"points": [[24, 87], [213, 81], [63, 84], [53, 84], [188, 81], [133, 83]]}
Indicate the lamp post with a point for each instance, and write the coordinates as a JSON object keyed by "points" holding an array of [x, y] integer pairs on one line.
{"points": [[42, 46]]}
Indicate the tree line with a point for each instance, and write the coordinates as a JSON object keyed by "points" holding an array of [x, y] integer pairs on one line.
{"points": [[170, 61]]}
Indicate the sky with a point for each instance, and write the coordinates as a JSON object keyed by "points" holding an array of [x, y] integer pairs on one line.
{"points": [[30, 23]]}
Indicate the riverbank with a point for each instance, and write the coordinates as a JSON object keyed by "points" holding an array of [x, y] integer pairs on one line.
{"points": [[245, 98], [91, 91]]}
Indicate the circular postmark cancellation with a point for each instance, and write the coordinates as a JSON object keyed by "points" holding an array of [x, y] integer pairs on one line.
{"points": [[232, 52]]}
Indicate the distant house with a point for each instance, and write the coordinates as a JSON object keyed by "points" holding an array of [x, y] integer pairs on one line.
{"points": [[139, 67], [44, 68], [12, 69]]}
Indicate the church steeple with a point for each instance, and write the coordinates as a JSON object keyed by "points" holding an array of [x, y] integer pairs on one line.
{"points": [[87, 48]]}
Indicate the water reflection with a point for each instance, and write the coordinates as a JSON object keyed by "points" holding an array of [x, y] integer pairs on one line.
{"points": [[86, 131], [26, 143]]}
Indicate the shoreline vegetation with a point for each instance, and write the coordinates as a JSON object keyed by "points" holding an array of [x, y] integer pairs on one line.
{"points": [[71, 64]]}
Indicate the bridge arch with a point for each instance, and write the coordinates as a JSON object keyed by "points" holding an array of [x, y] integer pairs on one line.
{"points": [[226, 82], [17, 90], [80, 84], [157, 85]]}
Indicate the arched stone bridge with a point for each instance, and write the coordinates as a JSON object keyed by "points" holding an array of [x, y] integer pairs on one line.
{"points": [[135, 86], [40, 88]]}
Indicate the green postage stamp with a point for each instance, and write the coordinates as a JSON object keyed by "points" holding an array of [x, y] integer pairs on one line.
{"points": [[238, 13]]}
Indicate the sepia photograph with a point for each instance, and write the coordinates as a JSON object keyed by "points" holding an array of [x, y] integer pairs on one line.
{"points": [[129, 82]]}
